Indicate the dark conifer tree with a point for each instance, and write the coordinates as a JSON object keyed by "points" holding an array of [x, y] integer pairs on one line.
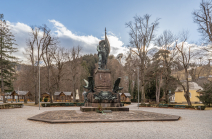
{"points": [[7, 61]]}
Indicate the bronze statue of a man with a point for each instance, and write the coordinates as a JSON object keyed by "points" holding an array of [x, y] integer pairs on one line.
{"points": [[101, 54]]}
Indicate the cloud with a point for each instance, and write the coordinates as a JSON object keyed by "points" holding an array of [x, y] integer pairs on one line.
{"points": [[117, 46], [21, 32], [88, 43], [67, 39]]}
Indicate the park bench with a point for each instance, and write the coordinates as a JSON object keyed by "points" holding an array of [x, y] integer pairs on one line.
{"points": [[179, 106], [163, 105]]}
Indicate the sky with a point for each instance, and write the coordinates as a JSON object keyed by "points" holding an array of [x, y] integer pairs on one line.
{"points": [[83, 22]]}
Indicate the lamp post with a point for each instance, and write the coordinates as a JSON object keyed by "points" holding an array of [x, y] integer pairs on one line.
{"points": [[39, 82], [138, 87], [38, 63]]}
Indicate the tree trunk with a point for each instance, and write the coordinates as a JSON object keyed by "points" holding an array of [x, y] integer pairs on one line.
{"points": [[157, 91], [74, 95], [142, 89], [36, 87], [187, 97], [2, 78], [49, 89]]}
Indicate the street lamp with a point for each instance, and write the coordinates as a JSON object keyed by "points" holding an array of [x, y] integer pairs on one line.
{"points": [[40, 62], [138, 87]]}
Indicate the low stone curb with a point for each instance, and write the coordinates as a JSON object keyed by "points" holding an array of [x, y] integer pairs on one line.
{"points": [[82, 120], [100, 121]]}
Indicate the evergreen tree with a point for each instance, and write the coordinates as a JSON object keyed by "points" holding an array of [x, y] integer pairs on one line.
{"points": [[135, 90], [206, 96], [7, 61], [129, 86], [150, 90]]}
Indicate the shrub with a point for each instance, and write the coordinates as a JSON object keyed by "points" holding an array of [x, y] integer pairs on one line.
{"points": [[206, 96], [61, 104], [126, 102], [145, 105], [200, 107], [134, 100], [45, 99], [80, 104]]}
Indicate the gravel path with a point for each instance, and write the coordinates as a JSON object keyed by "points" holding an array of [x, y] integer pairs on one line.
{"points": [[192, 125]]}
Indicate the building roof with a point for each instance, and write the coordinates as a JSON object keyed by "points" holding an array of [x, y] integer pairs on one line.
{"points": [[66, 93], [8, 93], [192, 86], [57, 93], [19, 93], [46, 93], [126, 94]]}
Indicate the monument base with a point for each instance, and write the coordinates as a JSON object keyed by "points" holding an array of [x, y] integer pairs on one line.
{"points": [[87, 104], [86, 109]]}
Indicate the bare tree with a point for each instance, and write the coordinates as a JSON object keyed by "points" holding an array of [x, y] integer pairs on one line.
{"points": [[166, 43], [184, 57], [60, 56], [36, 46], [203, 18], [49, 43], [74, 62], [142, 34]]}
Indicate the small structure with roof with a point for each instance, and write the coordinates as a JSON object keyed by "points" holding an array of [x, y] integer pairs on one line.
{"points": [[125, 97], [194, 91], [45, 95], [63, 96], [19, 96]]}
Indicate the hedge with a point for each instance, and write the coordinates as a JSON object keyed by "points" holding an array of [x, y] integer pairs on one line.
{"points": [[134, 100], [61, 104], [7, 106], [186, 106], [126, 102]]}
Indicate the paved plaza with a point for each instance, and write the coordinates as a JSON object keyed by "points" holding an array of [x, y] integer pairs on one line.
{"points": [[193, 124]]}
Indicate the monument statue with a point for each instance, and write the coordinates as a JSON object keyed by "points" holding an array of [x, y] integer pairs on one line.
{"points": [[89, 86], [103, 51], [101, 92]]}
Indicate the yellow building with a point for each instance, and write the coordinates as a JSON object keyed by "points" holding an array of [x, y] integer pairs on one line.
{"points": [[194, 90]]}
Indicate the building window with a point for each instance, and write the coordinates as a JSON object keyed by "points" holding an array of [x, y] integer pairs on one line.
{"points": [[189, 94]]}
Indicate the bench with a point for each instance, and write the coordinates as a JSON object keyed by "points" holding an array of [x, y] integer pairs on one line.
{"points": [[163, 105], [179, 106]]}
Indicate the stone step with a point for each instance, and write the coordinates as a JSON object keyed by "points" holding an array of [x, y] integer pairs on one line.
{"points": [[85, 109]]}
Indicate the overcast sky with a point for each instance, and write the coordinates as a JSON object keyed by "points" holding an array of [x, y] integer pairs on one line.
{"points": [[82, 22]]}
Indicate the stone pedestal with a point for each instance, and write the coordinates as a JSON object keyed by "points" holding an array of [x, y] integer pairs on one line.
{"points": [[86, 109], [103, 80], [103, 104], [103, 95]]}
